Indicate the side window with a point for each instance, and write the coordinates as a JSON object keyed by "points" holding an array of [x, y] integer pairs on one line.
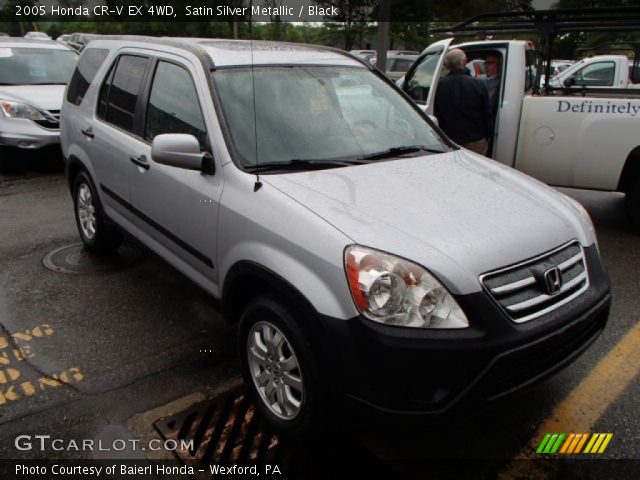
{"points": [[418, 83], [173, 104], [88, 65], [599, 74], [119, 93]]}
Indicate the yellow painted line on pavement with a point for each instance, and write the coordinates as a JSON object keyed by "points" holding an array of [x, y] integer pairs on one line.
{"points": [[582, 408]]}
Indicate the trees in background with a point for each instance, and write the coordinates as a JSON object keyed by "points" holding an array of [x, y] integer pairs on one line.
{"points": [[353, 27], [578, 45]]}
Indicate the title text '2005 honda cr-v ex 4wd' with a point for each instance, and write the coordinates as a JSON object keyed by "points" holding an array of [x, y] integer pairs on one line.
{"points": [[367, 259]]}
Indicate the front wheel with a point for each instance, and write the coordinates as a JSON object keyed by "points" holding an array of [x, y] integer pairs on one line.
{"points": [[97, 234], [633, 204], [278, 367]]}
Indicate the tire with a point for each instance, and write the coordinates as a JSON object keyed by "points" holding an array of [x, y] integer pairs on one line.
{"points": [[98, 235], [9, 162], [633, 204], [290, 373]]}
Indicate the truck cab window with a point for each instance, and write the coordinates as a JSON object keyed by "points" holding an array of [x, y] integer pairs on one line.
{"points": [[601, 74]]}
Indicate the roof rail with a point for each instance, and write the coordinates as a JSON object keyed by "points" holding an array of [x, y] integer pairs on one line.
{"points": [[190, 46]]}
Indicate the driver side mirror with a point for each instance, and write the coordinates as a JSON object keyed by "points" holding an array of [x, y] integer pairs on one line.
{"points": [[570, 82], [181, 150]]}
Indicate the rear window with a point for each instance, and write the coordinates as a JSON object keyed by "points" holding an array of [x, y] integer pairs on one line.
{"points": [[88, 65]]}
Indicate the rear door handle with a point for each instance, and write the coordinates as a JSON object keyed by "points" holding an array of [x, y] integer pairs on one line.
{"points": [[88, 132], [140, 161]]}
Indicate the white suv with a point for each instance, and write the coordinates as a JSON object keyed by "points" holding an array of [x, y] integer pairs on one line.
{"points": [[368, 260]]}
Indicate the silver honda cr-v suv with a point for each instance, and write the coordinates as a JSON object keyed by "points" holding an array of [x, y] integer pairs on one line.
{"points": [[368, 260]]}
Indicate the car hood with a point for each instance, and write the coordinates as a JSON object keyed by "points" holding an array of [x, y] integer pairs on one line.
{"points": [[46, 97], [457, 214]]}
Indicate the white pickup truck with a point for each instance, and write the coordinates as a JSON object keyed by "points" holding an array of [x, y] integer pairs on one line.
{"points": [[571, 137], [601, 71]]}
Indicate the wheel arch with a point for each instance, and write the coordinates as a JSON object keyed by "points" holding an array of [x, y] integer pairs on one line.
{"points": [[630, 171], [247, 279], [74, 166]]}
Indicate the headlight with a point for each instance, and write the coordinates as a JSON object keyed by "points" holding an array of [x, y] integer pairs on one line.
{"points": [[394, 291], [20, 110]]}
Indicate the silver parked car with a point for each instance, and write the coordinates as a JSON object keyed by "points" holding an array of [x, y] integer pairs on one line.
{"points": [[37, 36], [368, 261], [33, 77]]}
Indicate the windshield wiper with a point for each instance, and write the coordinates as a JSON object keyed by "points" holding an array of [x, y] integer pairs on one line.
{"points": [[397, 151], [300, 164]]}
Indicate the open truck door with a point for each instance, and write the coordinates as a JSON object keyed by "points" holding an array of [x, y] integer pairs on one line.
{"points": [[421, 80]]}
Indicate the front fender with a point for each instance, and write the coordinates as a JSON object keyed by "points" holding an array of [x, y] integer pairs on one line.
{"points": [[324, 287]]}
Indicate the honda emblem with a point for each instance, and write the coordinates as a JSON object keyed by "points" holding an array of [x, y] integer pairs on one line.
{"points": [[553, 280]]}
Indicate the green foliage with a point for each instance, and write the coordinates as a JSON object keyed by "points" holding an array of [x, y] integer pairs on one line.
{"points": [[584, 44], [352, 28]]}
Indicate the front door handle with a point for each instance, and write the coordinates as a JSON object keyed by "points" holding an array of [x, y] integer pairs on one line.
{"points": [[88, 132], [140, 161]]}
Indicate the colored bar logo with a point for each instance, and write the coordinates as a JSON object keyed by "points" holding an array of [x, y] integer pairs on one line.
{"points": [[593, 443]]}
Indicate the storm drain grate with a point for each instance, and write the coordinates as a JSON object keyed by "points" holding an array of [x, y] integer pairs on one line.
{"points": [[77, 259], [224, 430]]}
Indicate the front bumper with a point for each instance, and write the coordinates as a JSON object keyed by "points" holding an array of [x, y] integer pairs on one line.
{"points": [[25, 134], [433, 375]]}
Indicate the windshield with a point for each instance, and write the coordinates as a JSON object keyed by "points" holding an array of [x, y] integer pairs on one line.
{"points": [[317, 113], [35, 66]]}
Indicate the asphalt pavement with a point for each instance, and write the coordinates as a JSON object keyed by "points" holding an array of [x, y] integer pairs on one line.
{"points": [[84, 354]]}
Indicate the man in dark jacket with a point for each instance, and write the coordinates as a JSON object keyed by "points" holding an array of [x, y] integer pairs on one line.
{"points": [[462, 105]]}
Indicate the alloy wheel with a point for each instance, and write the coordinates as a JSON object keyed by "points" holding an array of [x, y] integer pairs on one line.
{"points": [[86, 211], [275, 370]]}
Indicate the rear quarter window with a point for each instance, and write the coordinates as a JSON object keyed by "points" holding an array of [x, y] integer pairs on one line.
{"points": [[88, 65]]}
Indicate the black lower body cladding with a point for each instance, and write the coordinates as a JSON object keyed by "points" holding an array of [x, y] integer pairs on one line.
{"points": [[430, 375]]}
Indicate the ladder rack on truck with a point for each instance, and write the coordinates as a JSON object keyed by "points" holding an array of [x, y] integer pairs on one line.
{"points": [[548, 24]]}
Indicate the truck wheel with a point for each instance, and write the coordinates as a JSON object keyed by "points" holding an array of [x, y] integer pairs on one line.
{"points": [[278, 367], [97, 234], [633, 204]]}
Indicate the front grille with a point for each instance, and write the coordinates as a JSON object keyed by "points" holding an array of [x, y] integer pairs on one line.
{"points": [[523, 290], [52, 119]]}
